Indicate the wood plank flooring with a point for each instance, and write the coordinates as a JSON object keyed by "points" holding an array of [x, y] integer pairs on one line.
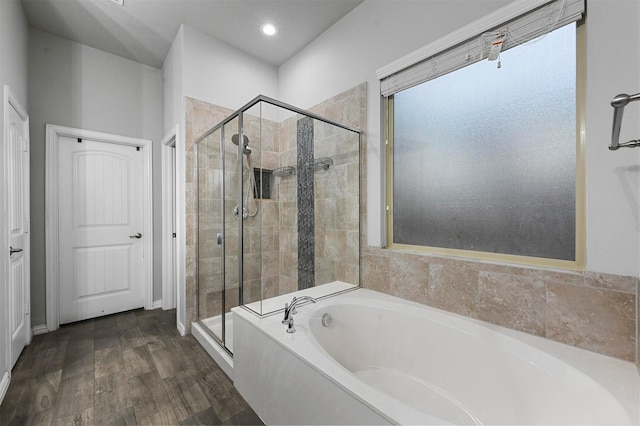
{"points": [[124, 369]]}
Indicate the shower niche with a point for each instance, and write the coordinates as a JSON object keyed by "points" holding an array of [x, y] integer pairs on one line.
{"points": [[278, 211]]}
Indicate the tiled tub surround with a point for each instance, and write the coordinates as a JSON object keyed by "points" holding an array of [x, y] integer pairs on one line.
{"points": [[590, 310], [384, 360]]}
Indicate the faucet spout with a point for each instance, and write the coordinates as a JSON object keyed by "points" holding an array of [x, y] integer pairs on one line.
{"points": [[290, 310]]}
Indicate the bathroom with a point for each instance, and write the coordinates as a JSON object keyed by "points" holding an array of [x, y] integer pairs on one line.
{"points": [[579, 308], [592, 308], [202, 81]]}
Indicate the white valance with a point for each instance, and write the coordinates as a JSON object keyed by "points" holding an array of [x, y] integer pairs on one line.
{"points": [[514, 24]]}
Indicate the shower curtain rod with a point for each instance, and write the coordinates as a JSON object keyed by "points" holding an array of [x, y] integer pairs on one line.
{"points": [[618, 103]]}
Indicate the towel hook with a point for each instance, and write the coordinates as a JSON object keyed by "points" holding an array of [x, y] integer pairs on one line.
{"points": [[618, 103]]}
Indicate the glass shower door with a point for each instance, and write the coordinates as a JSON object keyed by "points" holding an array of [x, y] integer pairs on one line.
{"points": [[210, 234]]}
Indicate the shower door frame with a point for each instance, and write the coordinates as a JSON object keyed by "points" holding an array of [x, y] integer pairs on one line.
{"points": [[239, 114]]}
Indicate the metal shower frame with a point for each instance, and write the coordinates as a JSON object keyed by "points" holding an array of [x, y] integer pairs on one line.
{"points": [[239, 113]]}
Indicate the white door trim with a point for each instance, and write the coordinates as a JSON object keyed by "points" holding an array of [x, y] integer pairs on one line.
{"points": [[169, 273], [181, 225], [53, 135]]}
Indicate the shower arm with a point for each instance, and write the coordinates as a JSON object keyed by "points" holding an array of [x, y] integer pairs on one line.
{"points": [[618, 103]]}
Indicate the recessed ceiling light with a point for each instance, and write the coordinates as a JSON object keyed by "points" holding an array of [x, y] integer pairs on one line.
{"points": [[120, 2], [269, 29]]}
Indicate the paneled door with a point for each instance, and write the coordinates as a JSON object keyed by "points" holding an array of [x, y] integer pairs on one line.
{"points": [[16, 148], [100, 224]]}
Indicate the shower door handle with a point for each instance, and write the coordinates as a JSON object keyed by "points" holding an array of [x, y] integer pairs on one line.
{"points": [[219, 238]]}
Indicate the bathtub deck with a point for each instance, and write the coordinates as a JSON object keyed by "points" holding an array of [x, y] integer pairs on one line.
{"points": [[385, 360]]}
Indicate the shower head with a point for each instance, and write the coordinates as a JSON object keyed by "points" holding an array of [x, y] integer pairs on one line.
{"points": [[245, 143]]}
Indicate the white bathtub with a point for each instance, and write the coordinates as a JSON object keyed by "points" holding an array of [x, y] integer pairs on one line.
{"points": [[383, 360]]}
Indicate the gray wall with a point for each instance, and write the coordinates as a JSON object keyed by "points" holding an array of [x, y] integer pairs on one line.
{"points": [[204, 68], [371, 36], [74, 85], [13, 72]]}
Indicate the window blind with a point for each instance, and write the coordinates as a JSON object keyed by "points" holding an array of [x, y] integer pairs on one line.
{"points": [[514, 24]]}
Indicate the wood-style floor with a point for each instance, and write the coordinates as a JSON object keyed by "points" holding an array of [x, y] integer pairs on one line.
{"points": [[125, 369]]}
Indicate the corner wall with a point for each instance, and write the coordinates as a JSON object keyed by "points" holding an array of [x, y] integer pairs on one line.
{"points": [[203, 68], [216, 73], [74, 85]]}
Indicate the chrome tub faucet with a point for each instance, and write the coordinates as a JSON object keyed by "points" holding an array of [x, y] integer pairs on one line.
{"points": [[290, 310]]}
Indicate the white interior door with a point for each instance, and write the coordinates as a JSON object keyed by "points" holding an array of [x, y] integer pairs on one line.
{"points": [[17, 167], [100, 223]]}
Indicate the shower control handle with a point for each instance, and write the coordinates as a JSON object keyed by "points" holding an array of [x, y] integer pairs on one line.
{"points": [[219, 238]]}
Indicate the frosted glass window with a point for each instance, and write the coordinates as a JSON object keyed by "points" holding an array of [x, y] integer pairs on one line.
{"points": [[484, 158]]}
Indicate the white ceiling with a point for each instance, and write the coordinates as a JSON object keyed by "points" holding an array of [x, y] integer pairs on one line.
{"points": [[143, 30]]}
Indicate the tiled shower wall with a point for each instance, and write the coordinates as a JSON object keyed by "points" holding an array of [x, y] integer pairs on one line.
{"points": [[590, 310], [199, 116], [261, 232], [271, 237], [336, 192], [260, 242]]}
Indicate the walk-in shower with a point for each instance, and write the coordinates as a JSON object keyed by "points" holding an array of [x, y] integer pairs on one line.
{"points": [[278, 210]]}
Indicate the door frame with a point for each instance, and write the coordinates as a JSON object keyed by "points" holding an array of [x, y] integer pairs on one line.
{"points": [[169, 185], [53, 134]]}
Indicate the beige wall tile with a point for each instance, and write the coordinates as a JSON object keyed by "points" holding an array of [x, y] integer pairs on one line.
{"points": [[600, 320], [612, 282], [376, 273], [409, 277], [453, 289], [513, 301]]}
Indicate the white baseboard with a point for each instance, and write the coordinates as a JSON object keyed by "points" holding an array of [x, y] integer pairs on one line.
{"points": [[4, 385], [181, 328], [39, 329], [156, 304]]}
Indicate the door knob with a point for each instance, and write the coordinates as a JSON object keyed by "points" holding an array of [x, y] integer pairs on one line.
{"points": [[136, 235], [12, 250]]}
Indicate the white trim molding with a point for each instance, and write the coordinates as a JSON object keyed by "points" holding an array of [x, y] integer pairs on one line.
{"points": [[181, 328], [39, 329], [169, 248], [53, 134], [4, 384], [181, 224]]}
